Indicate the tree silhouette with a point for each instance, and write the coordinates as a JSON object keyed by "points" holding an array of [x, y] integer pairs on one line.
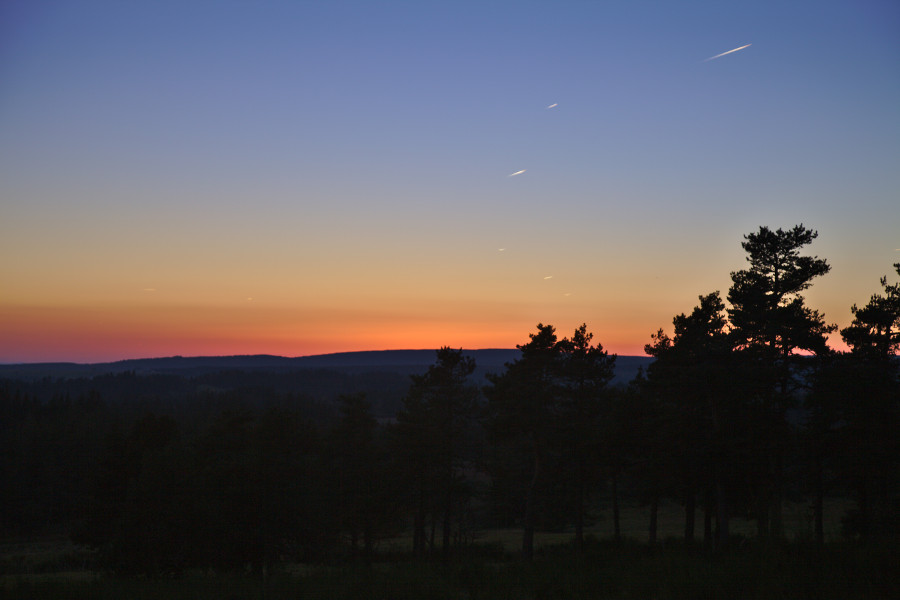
{"points": [[357, 474], [770, 323], [875, 330], [434, 431], [768, 314], [585, 372], [260, 490], [651, 445], [691, 381], [521, 403], [869, 412], [549, 403]]}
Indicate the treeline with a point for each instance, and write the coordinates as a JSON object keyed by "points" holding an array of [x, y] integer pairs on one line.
{"points": [[181, 390], [744, 407]]}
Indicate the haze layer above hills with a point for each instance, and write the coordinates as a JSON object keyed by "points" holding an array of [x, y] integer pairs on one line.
{"points": [[406, 362]]}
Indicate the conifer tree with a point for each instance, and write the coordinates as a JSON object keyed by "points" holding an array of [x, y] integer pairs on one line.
{"points": [[521, 403], [434, 429], [770, 325]]}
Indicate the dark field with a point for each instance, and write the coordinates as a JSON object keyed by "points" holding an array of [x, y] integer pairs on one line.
{"points": [[606, 570], [490, 567]]}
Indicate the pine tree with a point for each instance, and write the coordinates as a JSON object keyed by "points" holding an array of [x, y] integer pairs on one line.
{"points": [[770, 325]]}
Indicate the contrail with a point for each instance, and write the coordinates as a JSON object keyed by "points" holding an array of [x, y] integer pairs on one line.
{"points": [[516, 173], [729, 52], [554, 105]]}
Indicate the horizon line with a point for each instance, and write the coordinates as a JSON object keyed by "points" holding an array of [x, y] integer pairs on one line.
{"points": [[202, 356]]}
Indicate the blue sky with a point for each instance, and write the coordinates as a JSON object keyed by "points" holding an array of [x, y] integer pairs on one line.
{"points": [[349, 162]]}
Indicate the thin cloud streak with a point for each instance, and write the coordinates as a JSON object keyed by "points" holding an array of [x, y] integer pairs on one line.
{"points": [[729, 52]]}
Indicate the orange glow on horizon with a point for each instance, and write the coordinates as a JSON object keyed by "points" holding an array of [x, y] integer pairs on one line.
{"points": [[51, 334]]}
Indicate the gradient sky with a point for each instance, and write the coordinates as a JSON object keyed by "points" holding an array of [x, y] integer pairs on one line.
{"points": [[293, 178]]}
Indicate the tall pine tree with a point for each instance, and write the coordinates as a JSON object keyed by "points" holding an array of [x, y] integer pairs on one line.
{"points": [[770, 327]]}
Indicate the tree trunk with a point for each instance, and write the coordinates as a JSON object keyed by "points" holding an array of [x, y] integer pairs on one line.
{"points": [[528, 536], [690, 507], [579, 532], [419, 526], [617, 532], [368, 541], [445, 550], [763, 503], [819, 502], [579, 510], [530, 505], [707, 519], [721, 518], [776, 520], [864, 516], [433, 530], [654, 510]]}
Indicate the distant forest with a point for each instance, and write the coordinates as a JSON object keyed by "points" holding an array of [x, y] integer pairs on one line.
{"points": [[161, 467]]}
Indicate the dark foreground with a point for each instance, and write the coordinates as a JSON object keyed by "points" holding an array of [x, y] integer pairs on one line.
{"points": [[606, 570]]}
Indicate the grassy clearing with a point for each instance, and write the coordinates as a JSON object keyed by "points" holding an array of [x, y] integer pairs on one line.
{"points": [[634, 522], [490, 569], [607, 570], [798, 521]]}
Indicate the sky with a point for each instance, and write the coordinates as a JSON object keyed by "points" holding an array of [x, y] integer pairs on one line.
{"points": [[296, 178]]}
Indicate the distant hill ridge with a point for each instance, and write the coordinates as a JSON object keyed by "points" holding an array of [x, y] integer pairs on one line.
{"points": [[404, 361]]}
